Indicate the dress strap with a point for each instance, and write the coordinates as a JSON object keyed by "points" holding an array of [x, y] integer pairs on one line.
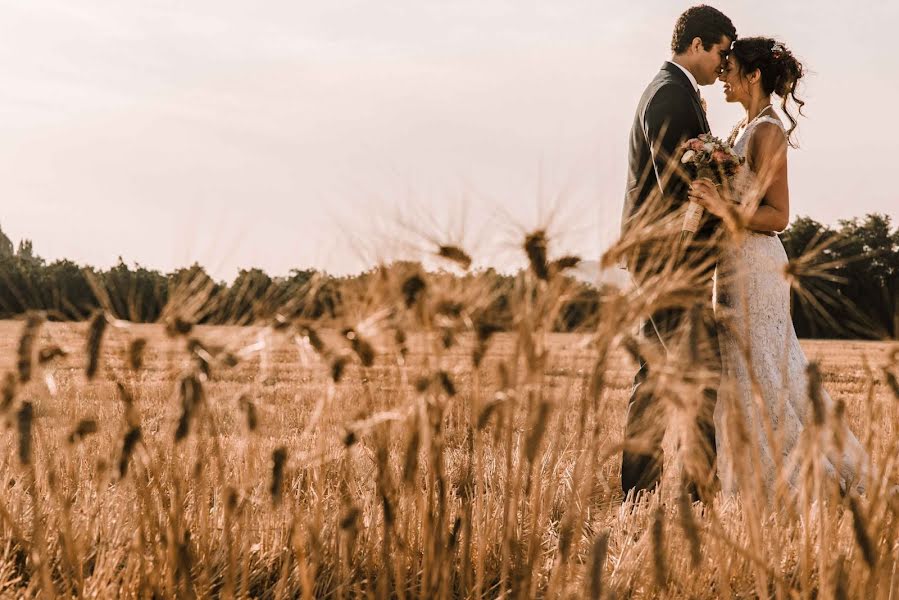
{"points": [[750, 129], [767, 119]]}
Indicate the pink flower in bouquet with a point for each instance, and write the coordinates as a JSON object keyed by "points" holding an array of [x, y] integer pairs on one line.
{"points": [[720, 156], [708, 152], [706, 156]]}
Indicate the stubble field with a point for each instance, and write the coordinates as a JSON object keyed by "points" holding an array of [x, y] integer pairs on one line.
{"points": [[263, 462]]}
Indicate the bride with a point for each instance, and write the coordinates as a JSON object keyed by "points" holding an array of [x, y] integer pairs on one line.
{"points": [[770, 396]]}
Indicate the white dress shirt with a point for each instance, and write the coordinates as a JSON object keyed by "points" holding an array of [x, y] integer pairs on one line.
{"points": [[688, 74]]}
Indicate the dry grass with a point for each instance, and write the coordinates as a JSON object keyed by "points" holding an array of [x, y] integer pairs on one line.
{"points": [[409, 449], [414, 477]]}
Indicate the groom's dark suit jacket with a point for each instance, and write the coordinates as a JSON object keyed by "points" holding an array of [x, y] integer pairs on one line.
{"points": [[669, 113]]}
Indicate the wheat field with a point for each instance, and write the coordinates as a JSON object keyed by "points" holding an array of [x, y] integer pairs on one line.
{"points": [[282, 461]]}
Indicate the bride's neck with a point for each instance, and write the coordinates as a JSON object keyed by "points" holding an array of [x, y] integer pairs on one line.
{"points": [[755, 105]]}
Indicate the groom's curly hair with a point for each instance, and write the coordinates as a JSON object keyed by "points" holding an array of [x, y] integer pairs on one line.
{"points": [[703, 22]]}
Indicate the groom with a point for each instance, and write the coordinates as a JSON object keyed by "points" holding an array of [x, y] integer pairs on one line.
{"points": [[671, 111]]}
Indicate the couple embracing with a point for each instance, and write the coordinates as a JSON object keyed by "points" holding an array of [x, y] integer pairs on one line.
{"points": [[757, 394]]}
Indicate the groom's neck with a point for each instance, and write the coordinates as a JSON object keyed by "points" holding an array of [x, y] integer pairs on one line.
{"points": [[683, 61]]}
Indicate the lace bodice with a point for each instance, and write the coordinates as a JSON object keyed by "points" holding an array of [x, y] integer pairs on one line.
{"points": [[741, 142], [744, 181]]}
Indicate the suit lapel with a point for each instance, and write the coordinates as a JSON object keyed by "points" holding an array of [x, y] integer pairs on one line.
{"points": [[683, 80]]}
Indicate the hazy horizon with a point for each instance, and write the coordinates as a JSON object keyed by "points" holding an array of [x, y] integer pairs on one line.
{"points": [[310, 134]]}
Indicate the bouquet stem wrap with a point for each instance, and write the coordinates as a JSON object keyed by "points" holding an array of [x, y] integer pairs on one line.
{"points": [[695, 210]]}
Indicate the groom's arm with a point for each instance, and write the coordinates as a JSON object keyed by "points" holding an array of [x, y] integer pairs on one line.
{"points": [[670, 119]]}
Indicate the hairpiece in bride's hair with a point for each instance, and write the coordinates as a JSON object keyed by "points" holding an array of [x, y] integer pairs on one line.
{"points": [[777, 50], [780, 70]]}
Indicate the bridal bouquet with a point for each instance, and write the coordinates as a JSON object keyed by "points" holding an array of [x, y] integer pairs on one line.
{"points": [[709, 157]]}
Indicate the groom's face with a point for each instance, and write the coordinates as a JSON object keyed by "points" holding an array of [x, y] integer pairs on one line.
{"points": [[709, 63]]}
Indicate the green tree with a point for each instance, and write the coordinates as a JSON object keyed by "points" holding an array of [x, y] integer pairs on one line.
{"points": [[5, 245], [250, 298], [72, 297], [193, 295], [871, 250], [813, 298], [26, 253], [137, 295]]}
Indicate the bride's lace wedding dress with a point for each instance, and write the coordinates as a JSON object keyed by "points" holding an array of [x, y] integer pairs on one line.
{"points": [[764, 394]]}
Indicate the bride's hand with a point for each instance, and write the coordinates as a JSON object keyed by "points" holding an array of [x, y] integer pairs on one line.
{"points": [[706, 194]]}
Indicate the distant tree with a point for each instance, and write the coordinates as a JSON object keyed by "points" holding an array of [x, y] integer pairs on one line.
{"points": [[871, 272], [848, 284], [581, 311], [6, 247], [845, 283], [72, 296], [811, 296], [250, 298], [803, 233], [137, 295], [26, 253], [26, 285], [193, 295]]}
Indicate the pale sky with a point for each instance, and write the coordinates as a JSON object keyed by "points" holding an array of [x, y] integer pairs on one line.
{"points": [[291, 133]]}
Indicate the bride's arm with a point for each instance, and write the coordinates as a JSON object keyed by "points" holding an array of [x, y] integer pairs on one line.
{"points": [[768, 159]]}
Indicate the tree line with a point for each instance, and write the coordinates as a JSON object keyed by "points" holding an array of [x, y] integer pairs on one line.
{"points": [[845, 284]]}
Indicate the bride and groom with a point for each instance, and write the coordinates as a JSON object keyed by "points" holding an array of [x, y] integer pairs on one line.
{"points": [[757, 393]]}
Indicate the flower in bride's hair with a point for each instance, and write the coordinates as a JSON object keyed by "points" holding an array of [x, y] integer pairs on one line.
{"points": [[688, 156], [777, 50]]}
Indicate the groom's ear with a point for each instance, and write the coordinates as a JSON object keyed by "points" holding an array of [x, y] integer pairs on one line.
{"points": [[696, 45]]}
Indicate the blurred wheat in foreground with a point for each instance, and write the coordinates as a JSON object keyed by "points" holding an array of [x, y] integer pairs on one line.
{"points": [[412, 445]]}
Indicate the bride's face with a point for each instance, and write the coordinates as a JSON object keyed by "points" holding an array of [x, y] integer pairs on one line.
{"points": [[736, 85]]}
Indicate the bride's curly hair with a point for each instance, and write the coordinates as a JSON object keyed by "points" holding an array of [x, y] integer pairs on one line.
{"points": [[780, 70]]}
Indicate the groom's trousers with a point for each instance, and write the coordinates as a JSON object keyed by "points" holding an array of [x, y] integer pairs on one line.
{"points": [[686, 376]]}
